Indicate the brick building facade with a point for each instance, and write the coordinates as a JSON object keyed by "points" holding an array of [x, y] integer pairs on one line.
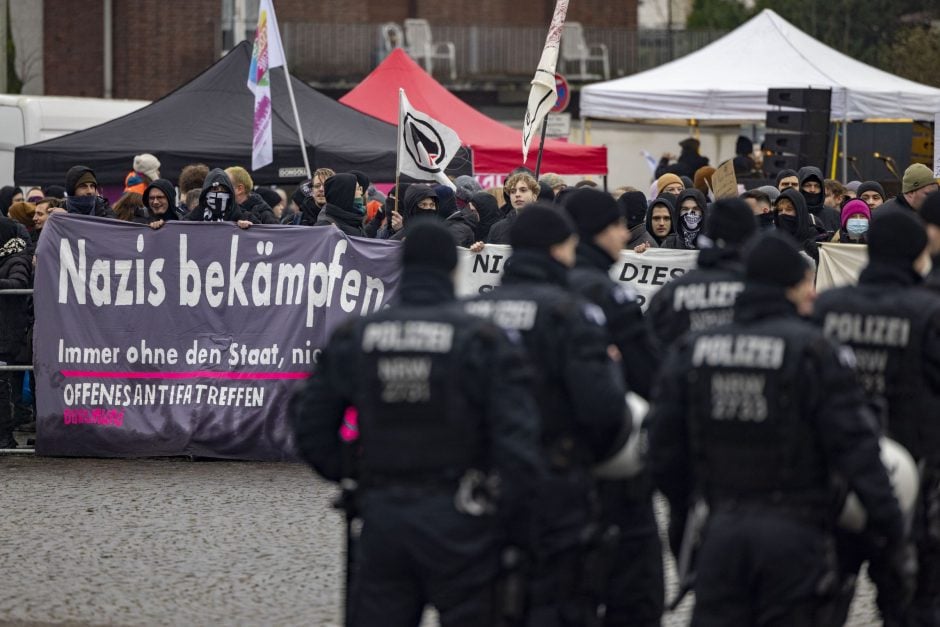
{"points": [[159, 45]]}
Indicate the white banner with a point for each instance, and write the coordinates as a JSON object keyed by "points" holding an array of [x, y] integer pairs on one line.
{"points": [[645, 273], [840, 264]]}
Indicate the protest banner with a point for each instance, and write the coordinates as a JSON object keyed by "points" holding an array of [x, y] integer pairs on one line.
{"points": [[724, 182], [644, 273], [840, 264], [188, 340]]}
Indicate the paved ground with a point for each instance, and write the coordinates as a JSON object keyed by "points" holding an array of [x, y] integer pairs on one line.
{"points": [[169, 542]]}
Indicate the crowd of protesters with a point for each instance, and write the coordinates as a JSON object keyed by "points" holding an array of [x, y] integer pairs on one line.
{"points": [[679, 213]]}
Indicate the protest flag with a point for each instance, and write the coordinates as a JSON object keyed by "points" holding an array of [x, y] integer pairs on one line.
{"points": [[542, 96], [266, 54], [425, 146]]}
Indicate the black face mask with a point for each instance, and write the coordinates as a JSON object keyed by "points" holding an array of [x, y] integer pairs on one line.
{"points": [[765, 221], [813, 200], [789, 224]]}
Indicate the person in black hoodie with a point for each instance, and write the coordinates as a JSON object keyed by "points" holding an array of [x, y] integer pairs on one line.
{"points": [[82, 189], [8, 196], [633, 208], [487, 209], [690, 219], [217, 202], [704, 297], [462, 223], [16, 272], [811, 186], [635, 588], [340, 209], [420, 204], [792, 217], [160, 201], [661, 224], [787, 178]]}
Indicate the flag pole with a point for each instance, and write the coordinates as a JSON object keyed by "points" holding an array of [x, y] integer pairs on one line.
{"points": [[538, 163], [293, 104], [397, 152]]}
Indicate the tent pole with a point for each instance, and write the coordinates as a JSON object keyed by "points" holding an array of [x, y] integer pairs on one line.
{"points": [[300, 132], [845, 148], [398, 132]]}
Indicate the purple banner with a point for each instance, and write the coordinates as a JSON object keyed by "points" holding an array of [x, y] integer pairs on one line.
{"points": [[188, 340]]}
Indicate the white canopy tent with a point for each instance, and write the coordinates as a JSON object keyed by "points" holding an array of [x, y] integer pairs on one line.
{"points": [[726, 82]]}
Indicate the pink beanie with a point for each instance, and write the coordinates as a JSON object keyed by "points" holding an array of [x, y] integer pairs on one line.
{"points": [[852, 207]]}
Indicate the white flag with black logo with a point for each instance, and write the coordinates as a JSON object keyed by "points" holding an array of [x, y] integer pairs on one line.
{"points": [[425, 146], [543, 94]]}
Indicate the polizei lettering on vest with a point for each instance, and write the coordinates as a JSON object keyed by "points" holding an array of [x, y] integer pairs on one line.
{"points": [[741, 351], [851, 328], [412, 336], [706, 295], [508, 314]]}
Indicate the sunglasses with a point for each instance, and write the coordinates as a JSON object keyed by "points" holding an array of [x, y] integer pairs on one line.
{"points": [[34, 199]]}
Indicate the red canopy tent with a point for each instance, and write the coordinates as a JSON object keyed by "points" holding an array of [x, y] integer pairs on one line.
{"points": [[497, 148]]}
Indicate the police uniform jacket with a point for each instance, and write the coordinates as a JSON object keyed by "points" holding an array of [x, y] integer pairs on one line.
{"points": [[625, 324], [763, 411], [699, 299], [579, 391], [892, 324], [437, 392]]}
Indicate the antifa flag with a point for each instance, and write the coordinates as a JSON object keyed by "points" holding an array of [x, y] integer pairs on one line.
{"points": [[425, 146], [542, 97]]}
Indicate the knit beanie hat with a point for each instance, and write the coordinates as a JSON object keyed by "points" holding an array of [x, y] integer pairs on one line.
{"points": [[916, 176], [730, 220], [930, 210], [540, 227], [86, 177], [773, 259], [667, 179], [633, 207], [55, 191], [467, 186], [269, 196], [361, 179], [552, 180], [772, 192], [784, 174], [592, 211], [148, 165], [429, 244], [871, 186], [896, 236], [852, 207]]}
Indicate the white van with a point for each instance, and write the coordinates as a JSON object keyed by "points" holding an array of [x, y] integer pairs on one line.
{"points": [[29, 119]]}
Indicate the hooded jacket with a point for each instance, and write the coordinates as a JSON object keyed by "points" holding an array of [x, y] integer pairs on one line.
{"points": [[413, 195], [7, 192], [340, 209], [218, 181], [633, 208], [826, 217], [101, 208], [805, 232], [462, 225], [668, 201], [169, 191], [488, 209], [259, 208], [678, 240]]}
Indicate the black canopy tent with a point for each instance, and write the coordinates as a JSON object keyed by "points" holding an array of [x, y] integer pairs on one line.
{"points": [[209, 120]]}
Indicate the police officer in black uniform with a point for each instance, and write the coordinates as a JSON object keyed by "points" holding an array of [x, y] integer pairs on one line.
{"points": [[893, 325], [704, 297], [635, 589], [444, 409], [753, 417], [580, 394]]}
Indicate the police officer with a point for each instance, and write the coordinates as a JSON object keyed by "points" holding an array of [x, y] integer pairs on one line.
{"points": [[635, 592], [443, 409], [704, 297], [893, 325], [580, 394], [753, 417]]}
